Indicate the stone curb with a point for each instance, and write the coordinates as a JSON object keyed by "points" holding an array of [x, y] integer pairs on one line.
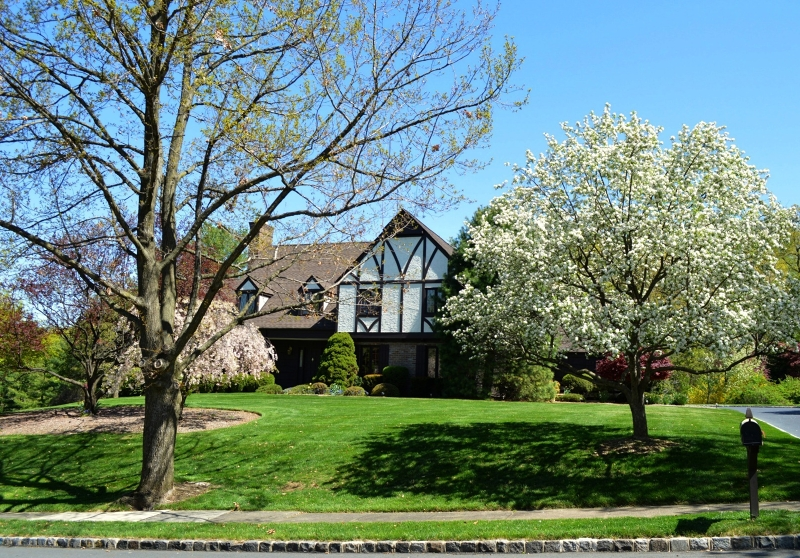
{"points": [[499, 546]]}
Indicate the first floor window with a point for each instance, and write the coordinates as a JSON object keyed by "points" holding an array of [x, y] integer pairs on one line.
{"points": [[369, 361], [432, 361]]}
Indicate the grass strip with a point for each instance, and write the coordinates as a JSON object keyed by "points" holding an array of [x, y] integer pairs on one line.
{"points": [[773, 522]]}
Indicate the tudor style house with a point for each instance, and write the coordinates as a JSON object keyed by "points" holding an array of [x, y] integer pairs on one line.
{"points": [[383, 293]]}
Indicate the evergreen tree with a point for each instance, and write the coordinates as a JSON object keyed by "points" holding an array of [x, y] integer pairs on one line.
{"points": [[338, 363]]}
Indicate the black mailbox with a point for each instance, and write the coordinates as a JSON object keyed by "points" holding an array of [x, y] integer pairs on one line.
{"points": [[751, 433]]}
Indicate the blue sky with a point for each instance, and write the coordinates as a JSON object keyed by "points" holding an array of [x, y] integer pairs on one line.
{"points": [[732, 62]]}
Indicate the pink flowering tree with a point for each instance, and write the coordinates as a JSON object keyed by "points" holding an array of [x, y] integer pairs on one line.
{"points": [[241, 351]]}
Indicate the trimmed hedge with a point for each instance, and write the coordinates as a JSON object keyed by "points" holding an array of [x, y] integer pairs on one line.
{"points": [[272, 389], [570, 397], [386, 390], [355, 391]]}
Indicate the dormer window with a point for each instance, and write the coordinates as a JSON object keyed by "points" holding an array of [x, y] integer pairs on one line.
{"points": [[246, 294], [311, 294]]}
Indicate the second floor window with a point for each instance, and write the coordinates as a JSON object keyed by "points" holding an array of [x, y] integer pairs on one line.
{"points": [[369, 303], [431, 302], [244, 300]]}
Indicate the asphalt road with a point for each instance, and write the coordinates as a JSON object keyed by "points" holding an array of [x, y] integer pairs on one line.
{"points": [[782, 418]]}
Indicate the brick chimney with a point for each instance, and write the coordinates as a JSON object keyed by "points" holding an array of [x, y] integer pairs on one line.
{"points": [[261, 246]]}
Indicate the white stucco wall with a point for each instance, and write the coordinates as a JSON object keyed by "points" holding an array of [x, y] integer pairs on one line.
{"points": [[347, 308], [390, 309], [412, 308], [438, 266]]}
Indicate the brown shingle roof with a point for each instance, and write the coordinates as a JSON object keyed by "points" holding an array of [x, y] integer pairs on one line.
{"points": [[293, 265]]}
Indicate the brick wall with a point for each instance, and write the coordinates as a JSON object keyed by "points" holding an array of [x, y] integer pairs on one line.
{"points": [[403, 354]]}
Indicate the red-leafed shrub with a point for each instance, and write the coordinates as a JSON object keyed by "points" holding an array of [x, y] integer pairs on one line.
{"points": [[615, 368]]}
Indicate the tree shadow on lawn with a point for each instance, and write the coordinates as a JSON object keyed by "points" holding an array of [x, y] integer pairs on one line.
{"points": [[62, 472], [520, 465]]}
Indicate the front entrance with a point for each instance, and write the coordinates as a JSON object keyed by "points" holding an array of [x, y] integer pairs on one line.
{"points": [[297, 361]]}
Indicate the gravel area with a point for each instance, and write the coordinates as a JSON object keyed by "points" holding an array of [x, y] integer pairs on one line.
{"points": [[118, 420]]}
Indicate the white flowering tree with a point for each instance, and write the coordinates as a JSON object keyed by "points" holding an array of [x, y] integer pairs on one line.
{"points": [[242, 351], [619, 245]]}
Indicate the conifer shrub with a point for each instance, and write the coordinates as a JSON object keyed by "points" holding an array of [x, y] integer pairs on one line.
{"points": [[355, 391], [385, 390], [369, 381], [576, 385], [338, 362]]}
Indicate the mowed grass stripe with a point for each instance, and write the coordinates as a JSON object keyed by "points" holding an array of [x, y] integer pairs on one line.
{"points": [[695, 525], [327, 454]]}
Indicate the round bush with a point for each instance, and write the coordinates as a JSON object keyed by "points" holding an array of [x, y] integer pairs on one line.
{"points": [[355, 391], [270, 389], [386, 390], [369, 381], [266, 379], [576, 385], [319, 388]]}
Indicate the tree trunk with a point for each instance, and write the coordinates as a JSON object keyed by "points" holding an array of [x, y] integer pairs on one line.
{"points": [[89, 399], [636, 402], [162, 408]]}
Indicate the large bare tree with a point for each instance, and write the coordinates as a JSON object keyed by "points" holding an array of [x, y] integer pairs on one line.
{"points": [[150, 118]]}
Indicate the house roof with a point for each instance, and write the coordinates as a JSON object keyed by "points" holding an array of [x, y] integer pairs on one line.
{"points": [[285, 277]]}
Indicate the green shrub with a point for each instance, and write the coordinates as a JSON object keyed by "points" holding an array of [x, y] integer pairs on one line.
{"points": [[525, 383], [756, 394], [272, 389], [570, 397], [576, 385], [319, 388], [385, 390], [335, 389], [338, 362], [397, 375], [679, 399], [266, 380], [355, 391], [790, 389], [302, 389], [369, 381]]}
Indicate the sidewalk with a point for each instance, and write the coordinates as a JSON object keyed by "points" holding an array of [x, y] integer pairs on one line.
{"points": [[222, 516]]}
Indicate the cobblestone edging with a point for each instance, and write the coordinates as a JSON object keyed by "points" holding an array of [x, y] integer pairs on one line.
{"points": [[680, 544]]}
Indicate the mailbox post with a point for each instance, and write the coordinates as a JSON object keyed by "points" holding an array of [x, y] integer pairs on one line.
{"points": [[752, 439]]}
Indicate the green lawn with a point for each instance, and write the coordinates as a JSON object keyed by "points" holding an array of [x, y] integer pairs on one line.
{"points": [[363, 454]]}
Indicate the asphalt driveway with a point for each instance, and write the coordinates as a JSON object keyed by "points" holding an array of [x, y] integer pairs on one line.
{"points": [[782, 418]]}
